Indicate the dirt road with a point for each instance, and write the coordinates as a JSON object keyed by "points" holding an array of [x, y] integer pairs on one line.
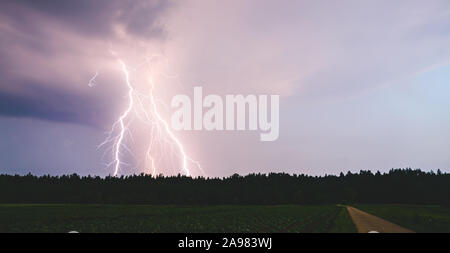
{"points": [[366, 223]]}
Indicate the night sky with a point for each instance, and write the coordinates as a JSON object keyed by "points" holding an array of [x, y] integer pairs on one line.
{"points": [[362, 84]]}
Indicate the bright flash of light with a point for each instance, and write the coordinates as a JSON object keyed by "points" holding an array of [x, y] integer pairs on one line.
{"points": [[143, 108]]}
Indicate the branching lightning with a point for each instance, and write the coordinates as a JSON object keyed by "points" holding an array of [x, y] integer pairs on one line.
{"points": [[163, 144]]}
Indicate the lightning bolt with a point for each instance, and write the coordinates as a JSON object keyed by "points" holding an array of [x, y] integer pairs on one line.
{"points": [[92, 81], [144, 108]]}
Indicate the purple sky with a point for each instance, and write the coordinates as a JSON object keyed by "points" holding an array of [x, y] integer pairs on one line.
{"points": [[362, 84]]}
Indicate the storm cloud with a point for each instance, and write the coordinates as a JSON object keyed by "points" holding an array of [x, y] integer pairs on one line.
{"points": [[50, 49], [362, 84]]}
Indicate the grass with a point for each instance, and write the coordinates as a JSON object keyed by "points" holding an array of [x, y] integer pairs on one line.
{"points": [[343, 223], [425, 219], [191, 219]]}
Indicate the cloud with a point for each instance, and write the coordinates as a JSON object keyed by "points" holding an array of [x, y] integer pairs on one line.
{"points": [[313, 49], [318, 55], [94, 18], [53, 105]]}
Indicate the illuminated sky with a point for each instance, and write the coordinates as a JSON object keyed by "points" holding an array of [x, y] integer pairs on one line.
{"points": [[362, 84]]}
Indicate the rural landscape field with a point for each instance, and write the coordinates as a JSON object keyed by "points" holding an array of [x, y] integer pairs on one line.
{"points": [[400, 201], [210, 219], [139, 218], [419, 218]]}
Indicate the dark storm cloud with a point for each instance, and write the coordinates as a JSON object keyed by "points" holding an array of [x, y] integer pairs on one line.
{"points": [[43, 39], [52, 105], [93, 17]]}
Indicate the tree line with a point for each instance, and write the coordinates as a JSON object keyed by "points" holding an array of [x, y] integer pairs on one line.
{"points": [[399, 186]]}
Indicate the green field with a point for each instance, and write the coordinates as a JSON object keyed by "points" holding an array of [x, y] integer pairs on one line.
{"points": [[191, 219], [422, 219], [196, 219]]}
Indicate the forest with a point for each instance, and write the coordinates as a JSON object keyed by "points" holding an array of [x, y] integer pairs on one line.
{"points": [[398, 186]]}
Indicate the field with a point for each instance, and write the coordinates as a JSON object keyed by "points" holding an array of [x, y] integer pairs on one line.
{"points": [[191, 219], [425, 219]]}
